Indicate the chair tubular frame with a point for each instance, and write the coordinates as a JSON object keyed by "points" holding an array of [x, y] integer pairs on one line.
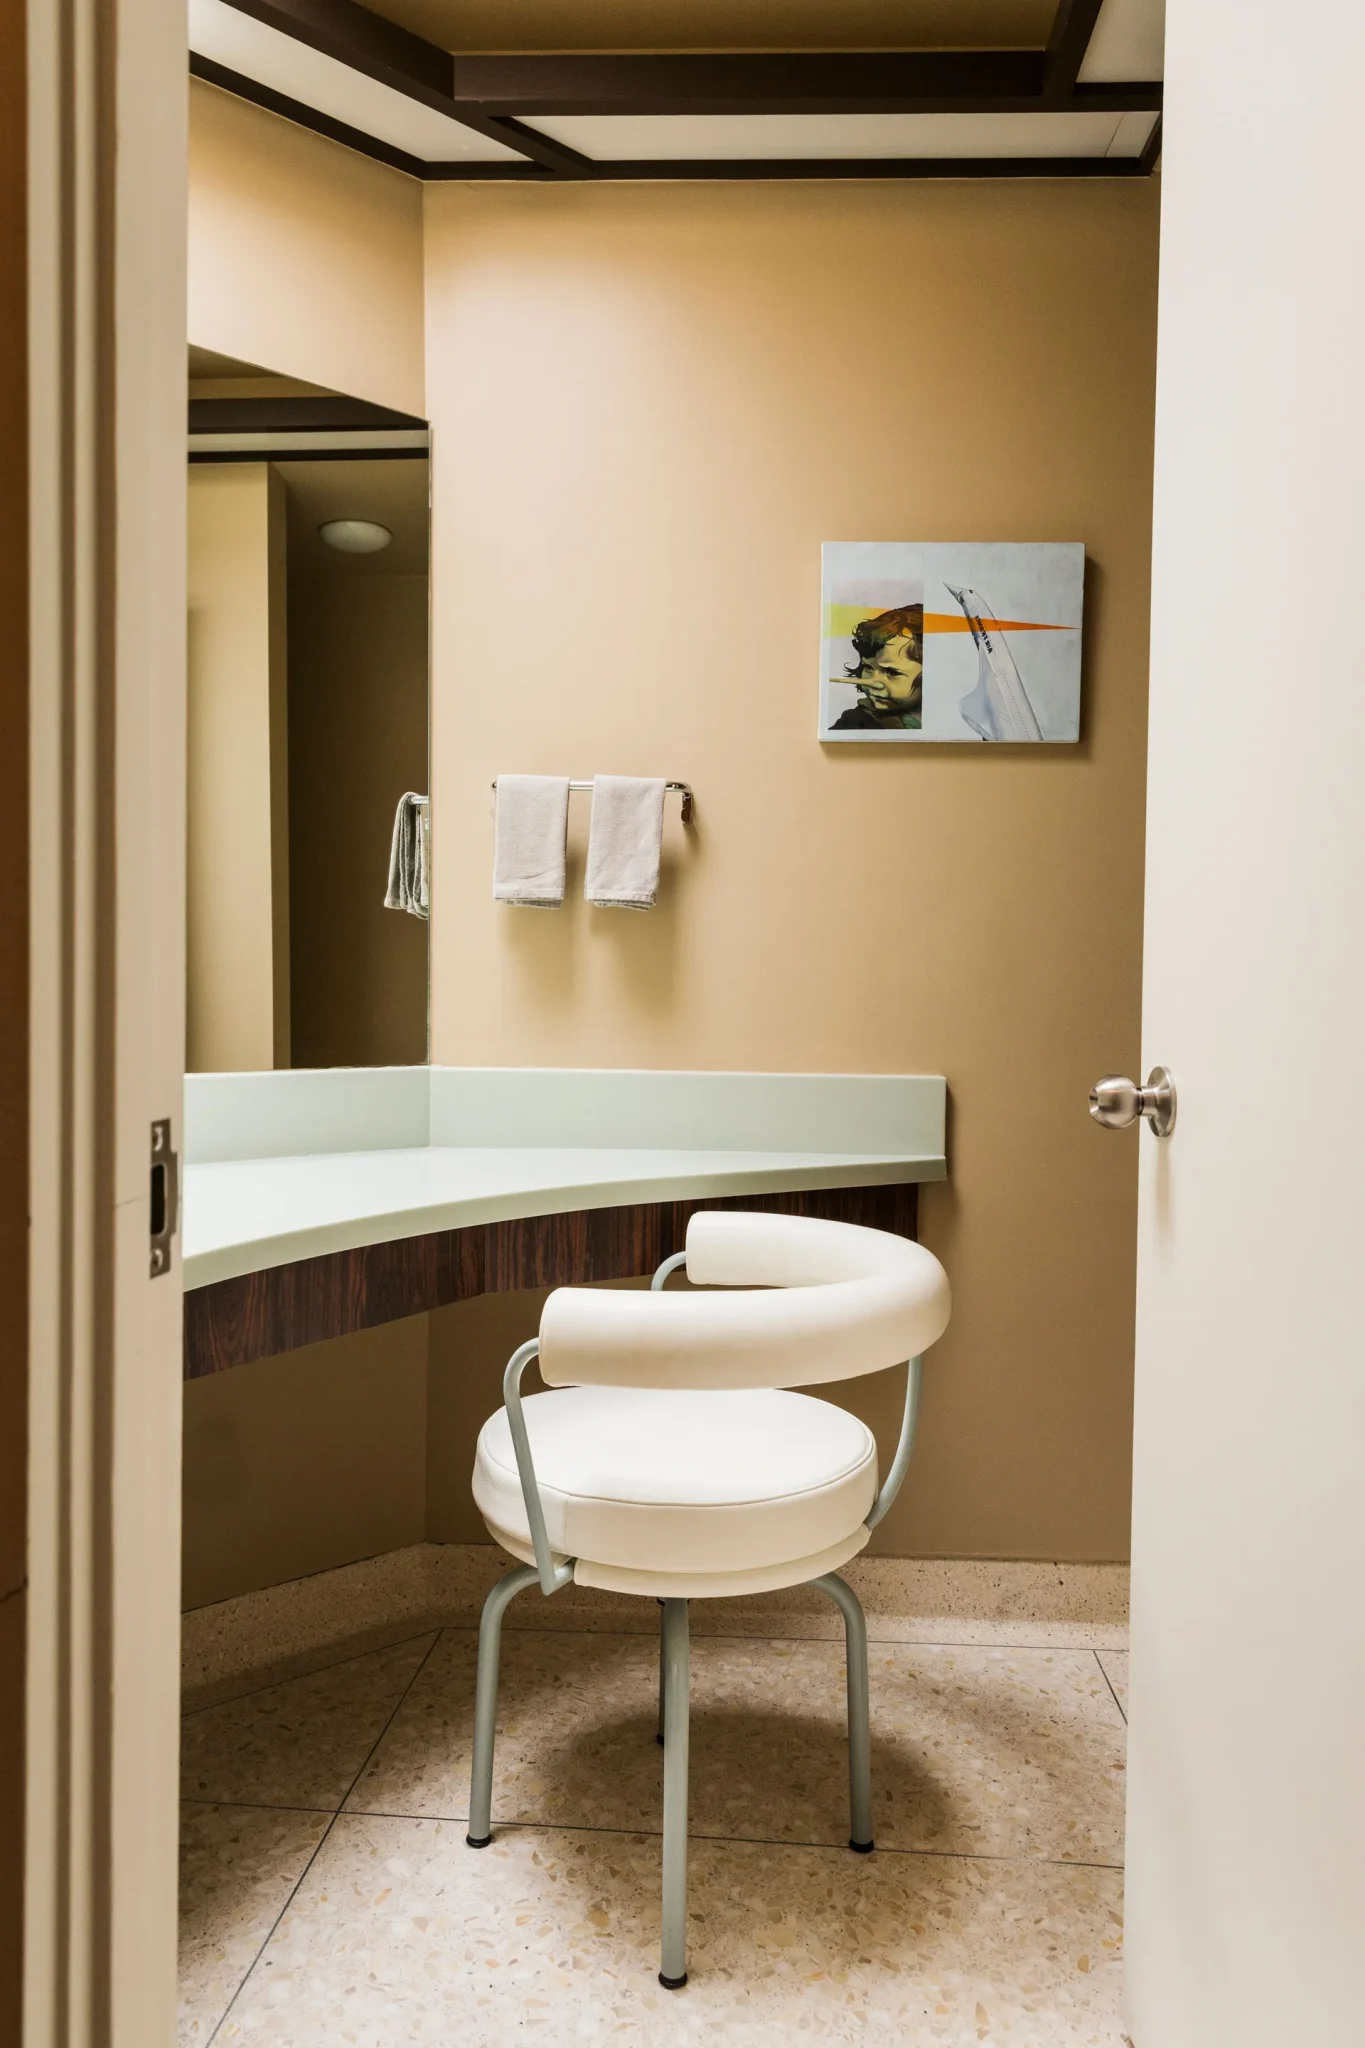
{"points": [[550, 1573]]}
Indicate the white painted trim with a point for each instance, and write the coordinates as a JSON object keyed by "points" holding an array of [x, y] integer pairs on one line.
{"points": [[64, 1744], [106, 120], [55, 1949]]}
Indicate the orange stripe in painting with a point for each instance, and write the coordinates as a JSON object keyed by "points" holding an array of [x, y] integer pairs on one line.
{"points": [[954, 622]]}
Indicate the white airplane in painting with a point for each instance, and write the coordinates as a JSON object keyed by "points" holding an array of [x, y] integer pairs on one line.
{"points": [[998, 708]]}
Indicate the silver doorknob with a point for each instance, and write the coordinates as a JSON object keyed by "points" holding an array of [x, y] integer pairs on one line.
{"points": [[1117, 1102]]}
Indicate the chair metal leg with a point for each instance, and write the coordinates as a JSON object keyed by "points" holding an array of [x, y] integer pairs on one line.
{"points": [[673, 1960], [659, 1731], [486, 1701], [859, 1727]]}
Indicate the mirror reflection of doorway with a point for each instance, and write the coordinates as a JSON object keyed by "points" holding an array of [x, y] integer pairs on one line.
{"points": [[307, 724]]}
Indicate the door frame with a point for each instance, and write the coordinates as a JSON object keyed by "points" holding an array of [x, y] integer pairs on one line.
{"points": [[106, 103]]}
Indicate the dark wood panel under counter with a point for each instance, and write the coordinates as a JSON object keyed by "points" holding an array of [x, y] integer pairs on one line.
{"points": [[258, 1315]]}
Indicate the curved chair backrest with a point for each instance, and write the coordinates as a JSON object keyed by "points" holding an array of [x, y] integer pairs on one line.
{"points": [[831, 1301]]}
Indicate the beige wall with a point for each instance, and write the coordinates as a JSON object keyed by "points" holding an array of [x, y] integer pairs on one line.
{"points": [[343, 1449], [629, 500], [357, 740], [303, 257], [294, 1464], [237, 870], [651, 404]]}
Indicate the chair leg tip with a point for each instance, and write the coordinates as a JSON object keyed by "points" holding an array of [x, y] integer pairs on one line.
{"points": [[477, 1841], [861, 1848], [673, 1983]]}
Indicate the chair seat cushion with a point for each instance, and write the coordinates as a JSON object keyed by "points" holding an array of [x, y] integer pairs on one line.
{"points": [[681, 1480]]}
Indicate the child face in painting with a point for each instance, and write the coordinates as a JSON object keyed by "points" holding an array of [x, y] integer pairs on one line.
{"points": [[891, 681]]}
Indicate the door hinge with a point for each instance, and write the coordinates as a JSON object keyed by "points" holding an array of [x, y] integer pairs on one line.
{"points": [[165, 1213]]}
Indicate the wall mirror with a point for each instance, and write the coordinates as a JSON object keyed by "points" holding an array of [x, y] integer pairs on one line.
{"points": [[308, 666]]}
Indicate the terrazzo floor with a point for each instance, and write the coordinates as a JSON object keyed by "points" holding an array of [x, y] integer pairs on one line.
{"points": [[328, 1896]]}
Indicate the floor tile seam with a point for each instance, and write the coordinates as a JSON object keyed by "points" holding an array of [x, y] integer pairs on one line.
{"points": [[752, 1841], [397, 1708], [320, 1845], [744, 1636], [258, 1805], [313, 1671], [270, 1932], [1110, 1683]]}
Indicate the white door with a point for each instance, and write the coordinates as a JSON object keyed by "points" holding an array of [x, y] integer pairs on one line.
{"points": [[1247, 1806]]}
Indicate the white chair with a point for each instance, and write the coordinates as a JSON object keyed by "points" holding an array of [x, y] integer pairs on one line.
{"points": [[672, 1461]]}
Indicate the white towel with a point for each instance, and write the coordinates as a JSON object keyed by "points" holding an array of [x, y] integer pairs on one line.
{"points": [[408, 885], [624, 842], [531, 822]]}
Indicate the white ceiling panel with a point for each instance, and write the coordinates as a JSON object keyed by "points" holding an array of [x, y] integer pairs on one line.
{"points": [[1130, 137], [243, 44], [1129, 41], [617, 138]]}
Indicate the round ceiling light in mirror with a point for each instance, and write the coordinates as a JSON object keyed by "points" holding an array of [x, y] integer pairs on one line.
{"points": [[355, 536]]}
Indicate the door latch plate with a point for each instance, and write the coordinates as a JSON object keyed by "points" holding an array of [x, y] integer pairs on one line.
{"points": [[165, 1198]]}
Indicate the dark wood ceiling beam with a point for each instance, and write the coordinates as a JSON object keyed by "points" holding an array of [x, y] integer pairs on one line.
{"points": [[499, 97], [751, 169], [840, 82], [1072, 27], [297, 415], [537, 148], [774, 83], [482, 91], [468, 171]]}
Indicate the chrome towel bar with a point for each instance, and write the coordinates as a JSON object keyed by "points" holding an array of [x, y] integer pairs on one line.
{"points": [[682, 789]]}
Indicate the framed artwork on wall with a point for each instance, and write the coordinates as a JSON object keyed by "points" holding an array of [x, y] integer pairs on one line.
{"points": [[957, 641]]}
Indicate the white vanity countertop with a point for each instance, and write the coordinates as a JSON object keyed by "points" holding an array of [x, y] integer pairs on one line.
{"points": [[287, 1166], [244, 1214]]}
